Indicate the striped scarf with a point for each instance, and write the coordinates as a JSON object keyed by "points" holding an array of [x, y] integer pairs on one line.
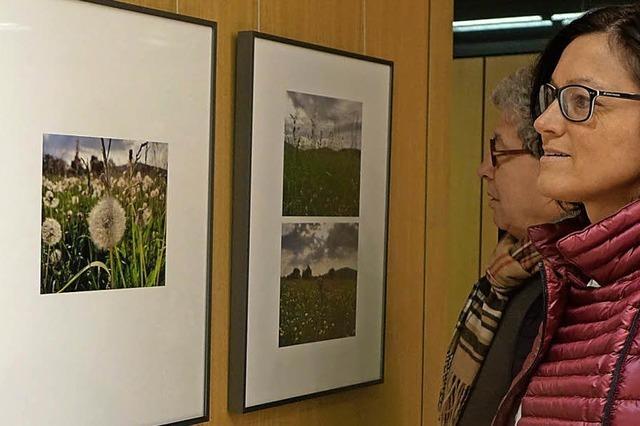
{"points": [[511, 264]]}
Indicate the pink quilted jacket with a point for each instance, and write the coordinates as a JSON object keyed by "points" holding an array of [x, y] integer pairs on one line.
{"points": [[584, 368]]}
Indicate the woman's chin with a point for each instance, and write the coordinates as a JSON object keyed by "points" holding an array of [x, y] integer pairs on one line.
{"points": [[555, 189]]}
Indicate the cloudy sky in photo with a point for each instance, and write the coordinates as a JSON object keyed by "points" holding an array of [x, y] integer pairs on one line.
{"points": [[319, 245], [340, 116], [64, 147]]}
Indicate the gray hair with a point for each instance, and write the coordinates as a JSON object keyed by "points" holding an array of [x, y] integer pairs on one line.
{"points": [[512, 96]]}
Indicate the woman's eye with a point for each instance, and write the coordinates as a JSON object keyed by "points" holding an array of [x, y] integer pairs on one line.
{"points": [[580, 101]]}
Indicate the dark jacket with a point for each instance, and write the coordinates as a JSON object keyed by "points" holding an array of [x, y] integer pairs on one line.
{"points": [[585, 365], [510, 346]]}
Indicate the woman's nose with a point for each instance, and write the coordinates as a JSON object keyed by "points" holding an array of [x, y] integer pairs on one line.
{"points": [[485, 169], [550, 122]]}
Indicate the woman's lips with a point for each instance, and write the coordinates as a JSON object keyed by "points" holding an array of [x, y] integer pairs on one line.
{"points": [[554, 153], [553, 158]]}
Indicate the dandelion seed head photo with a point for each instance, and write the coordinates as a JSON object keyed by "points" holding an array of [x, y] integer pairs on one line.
{"points": [[51, 232], [107, 223], [104, 209], [55, 256]]}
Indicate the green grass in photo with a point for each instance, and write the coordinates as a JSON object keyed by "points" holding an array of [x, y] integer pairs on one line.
{"points": [[321, 182], [317, 308]]}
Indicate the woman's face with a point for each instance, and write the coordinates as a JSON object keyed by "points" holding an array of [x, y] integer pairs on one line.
{"points": [[511, 186], [601, 166]]}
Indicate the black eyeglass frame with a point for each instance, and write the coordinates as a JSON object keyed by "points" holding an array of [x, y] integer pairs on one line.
{"points": [[495, 153], [593, 94]]}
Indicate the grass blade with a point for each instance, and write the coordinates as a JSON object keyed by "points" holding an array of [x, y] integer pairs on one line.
{"points": [[95, 264]]}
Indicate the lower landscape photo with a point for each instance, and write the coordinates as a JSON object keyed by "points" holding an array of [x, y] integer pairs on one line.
{"points": [[318, 282], [104, 207]]}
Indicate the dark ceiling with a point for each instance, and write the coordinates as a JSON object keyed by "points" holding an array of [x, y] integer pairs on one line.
{"points": [[500, 42], [479, 9]]}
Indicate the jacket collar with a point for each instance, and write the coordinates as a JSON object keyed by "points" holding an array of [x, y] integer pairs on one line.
{"points": [[604, 251]]}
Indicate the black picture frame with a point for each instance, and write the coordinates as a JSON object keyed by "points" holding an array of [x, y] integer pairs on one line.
{"points": [[214, 29], [242, 213], [207, 285]]}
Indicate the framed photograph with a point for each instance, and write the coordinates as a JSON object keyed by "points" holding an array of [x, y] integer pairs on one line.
{"points": [[106, 155], [311, 190]]}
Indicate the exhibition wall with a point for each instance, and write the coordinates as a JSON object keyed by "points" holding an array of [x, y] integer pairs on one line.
{"points": [[417, 37]]}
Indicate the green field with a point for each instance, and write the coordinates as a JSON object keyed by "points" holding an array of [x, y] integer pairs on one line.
{"points": [[321, 182], [316, 308], [72, 259]]}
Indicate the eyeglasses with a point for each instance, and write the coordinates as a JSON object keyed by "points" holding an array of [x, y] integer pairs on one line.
{"points": [[495, 153], [576, 100]]}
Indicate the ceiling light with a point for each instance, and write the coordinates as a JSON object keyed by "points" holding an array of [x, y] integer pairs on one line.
{"points": [[566, 16], [501, 24]]}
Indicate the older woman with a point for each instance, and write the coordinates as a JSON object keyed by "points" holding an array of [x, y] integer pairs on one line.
{"points": [[500, 320], [585, 365]]}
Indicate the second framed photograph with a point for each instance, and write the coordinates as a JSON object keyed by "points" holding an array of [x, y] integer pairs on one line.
{"points": [[311, 190]]}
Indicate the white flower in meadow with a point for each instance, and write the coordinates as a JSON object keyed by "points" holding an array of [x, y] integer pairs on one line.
{"points": [[146, 216], [51, 231], [107, 223], [138, 178], [154, 193], [69, 213], [55, 256], [50, 200], [48, 184], [147, 183], [75, 199]]}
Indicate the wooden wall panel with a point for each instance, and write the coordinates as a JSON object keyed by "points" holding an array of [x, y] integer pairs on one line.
{"points": [[496, 68], [398, 31], [334, 23], [166, 5], [231, 16], [465, 199], [438, 225]]}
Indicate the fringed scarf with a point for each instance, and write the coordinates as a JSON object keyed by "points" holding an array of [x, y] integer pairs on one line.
{"points": [[512, 263]]}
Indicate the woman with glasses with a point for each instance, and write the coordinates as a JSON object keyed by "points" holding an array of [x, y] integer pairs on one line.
{"points": [[584, 368], [501, 317]]}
